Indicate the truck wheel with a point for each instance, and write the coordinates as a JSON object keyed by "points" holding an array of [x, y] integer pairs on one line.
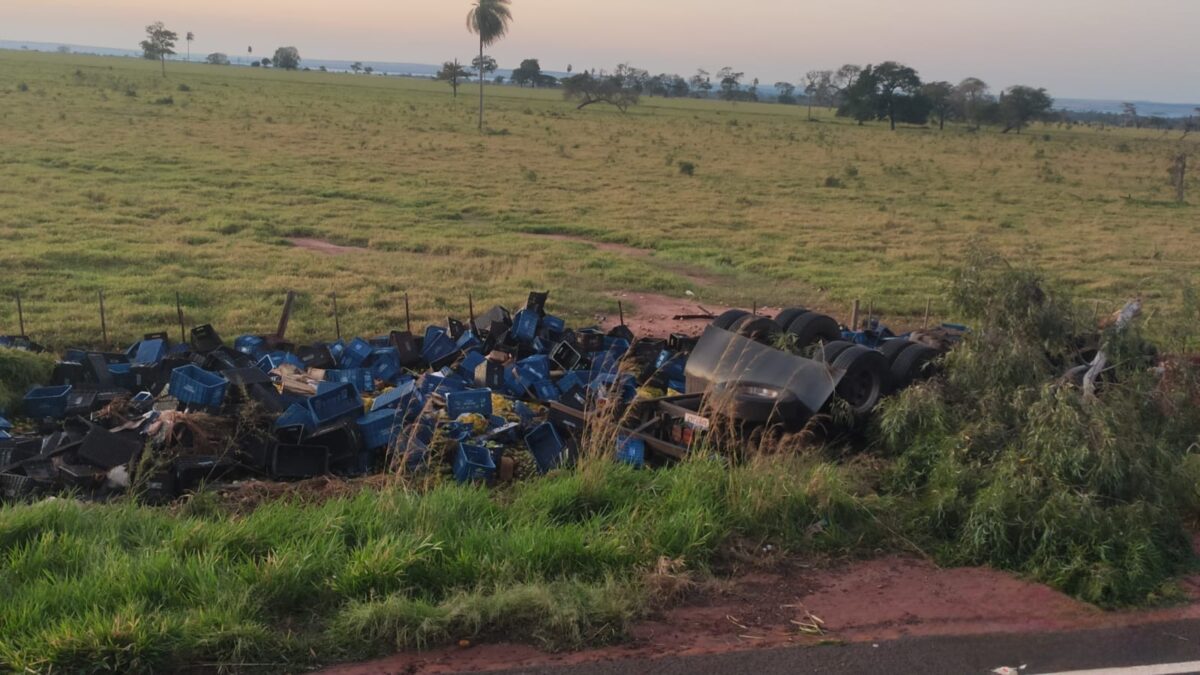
{"points": [[810, 327], [787, 316], [892, 348], [757, 328], [726, 319], [912, 364], [829, 351], [862, 385]]}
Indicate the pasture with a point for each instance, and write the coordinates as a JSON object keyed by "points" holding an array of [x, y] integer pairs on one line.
{"points": [[113, 178]]}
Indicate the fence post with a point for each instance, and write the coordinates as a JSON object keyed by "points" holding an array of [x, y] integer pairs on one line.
{"points": [[337, 322], [20, 315], [854, 316], [179, 315], [928, 306], [103, 322]]}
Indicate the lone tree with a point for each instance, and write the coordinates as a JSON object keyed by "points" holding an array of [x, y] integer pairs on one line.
{"points": [[787, 92], [190, 37], [971, 99], [489, 20], [356, 67], [159, 44], [529, 72], [818, 88], [896, 83], [453, 73], [620, 89], [1020, 105], [1129, 111], [217, 59], [287, 58], [701, 83]]}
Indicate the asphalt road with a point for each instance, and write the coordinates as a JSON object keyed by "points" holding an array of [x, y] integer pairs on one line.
{"points": [[1163, 643]]}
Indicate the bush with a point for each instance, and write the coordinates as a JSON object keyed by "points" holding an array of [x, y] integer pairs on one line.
{"points": [[1003, 463], [166, 100], [833, 182], [687, 168], [22, 87], [184, 87]]}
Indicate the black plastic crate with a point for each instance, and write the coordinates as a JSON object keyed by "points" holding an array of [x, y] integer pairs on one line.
{"points": [[159, 488], [316, 356], [299, 461], [69, 372], [536, 302], [106, 450], [205, 339], [83, 476], [343, 440], [408, 348], [14, 488], [97, 370], [191, 471]]}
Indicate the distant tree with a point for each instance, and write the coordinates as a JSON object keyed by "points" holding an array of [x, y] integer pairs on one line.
{"points": [[486, 65], [528, 73], [545, 81], [159, 44], [287, 58], [617, 89], [678, 87], [217, 59], [265, 62], [970, 99], [323, 69], [1020, 105], [453, 73], [356, 67], [844, 76], [369, 69], [941, 100], [786, 91], [1130, 112], [63, 49], [701, 83], [255, 64], [818, 88], [896, 82], [860, 98], [731, 83], [489, 20], [190, 37], [499, 79]]}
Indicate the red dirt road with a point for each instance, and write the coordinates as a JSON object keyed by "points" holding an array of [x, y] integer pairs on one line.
{"points": [[865, 601]]}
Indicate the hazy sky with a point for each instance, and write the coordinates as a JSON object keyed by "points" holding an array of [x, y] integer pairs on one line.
{"points": [[1122, 49]]}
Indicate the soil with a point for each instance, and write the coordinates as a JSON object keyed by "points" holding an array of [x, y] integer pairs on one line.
{"points": [[654, 314], [863, 601], [322, 246]]}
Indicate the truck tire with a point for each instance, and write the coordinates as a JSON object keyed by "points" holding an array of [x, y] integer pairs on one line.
{"points": [[911, 365], [757, 328], [726, 319], [829, 351], [892, 348], [811, 327], [866, 376], [787, 316]]}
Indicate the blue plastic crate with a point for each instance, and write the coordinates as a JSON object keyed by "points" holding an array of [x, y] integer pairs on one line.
{"points": [[533, 369], [385, 364], [275, 359], [336, 349], [379, 428], [545, 391], [546, 446], [631, 451], [193, 385], [250, 345], [470, 362], [356, 354], [571, 380], [467, 341], [473, 462], [297, 415], [123, 375], [469, 401], [441, 383], [334, 404], [396, 397], [43, 402], [553, 327], [438, 349], [525, 325], [361, 378], [150, 351], [671, 365]]}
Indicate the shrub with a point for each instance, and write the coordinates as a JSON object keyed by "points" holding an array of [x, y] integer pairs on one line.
{"points": [[166, 100], [184, 87], [19, 371], [833, 182], [22, 87], [687, 168]]}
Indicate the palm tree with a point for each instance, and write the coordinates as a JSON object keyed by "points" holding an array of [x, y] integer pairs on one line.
{"points": [[190, 36], [489, 20]]}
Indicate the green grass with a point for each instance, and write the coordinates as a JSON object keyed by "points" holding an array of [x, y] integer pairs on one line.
{"points": [[561, 562], [101, 189], [19, 371]]}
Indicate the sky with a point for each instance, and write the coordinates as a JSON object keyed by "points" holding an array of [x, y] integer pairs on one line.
{"points": [[1107, 49]]}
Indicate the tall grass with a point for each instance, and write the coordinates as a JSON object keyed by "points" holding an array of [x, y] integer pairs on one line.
{"points": [[20, 370]]}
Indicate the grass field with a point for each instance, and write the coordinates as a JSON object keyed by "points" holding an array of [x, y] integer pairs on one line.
{"points": [[113, 178]]}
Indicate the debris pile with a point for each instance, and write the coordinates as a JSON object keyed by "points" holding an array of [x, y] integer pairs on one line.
{"points": [[502, 396]]}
